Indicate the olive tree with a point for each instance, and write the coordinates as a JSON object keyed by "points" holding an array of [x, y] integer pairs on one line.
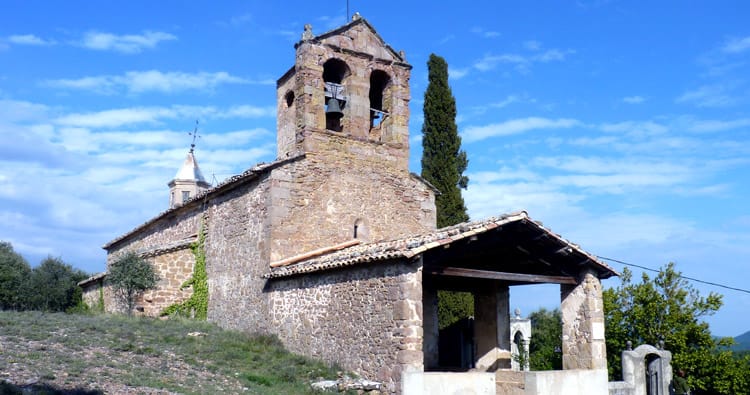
{"points": [[129, 276]]}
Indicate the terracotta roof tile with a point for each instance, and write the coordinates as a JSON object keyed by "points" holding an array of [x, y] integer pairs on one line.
{"points": [[412, 246]]}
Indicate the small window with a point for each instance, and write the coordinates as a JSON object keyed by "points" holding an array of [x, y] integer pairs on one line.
{"points": [[289, 99], [185, 196]]}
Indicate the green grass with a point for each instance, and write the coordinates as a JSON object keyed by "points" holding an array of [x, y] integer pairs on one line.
{"points": [[144, 352]]}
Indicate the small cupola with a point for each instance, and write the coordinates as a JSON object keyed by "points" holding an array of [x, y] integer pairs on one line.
{"points": [[189, 181]]}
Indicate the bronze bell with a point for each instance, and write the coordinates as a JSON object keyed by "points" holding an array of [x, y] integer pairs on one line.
{"points": [[334, 109]]}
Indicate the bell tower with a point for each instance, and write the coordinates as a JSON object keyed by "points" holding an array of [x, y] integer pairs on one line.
{"points": [[343, 121], [189, 181], [345, 83]]}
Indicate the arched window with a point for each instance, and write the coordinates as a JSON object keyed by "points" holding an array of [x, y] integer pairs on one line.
{"points": [[289, 97], [379, 82], [335, 72]]}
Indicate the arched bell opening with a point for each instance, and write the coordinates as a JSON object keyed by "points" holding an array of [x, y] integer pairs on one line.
{"points": [[335, 72], [380, 98]]}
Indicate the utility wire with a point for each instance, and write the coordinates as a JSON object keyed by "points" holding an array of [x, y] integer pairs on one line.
{"points": [[681, 276]]}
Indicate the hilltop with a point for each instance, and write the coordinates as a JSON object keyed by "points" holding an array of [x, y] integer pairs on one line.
{"points": [[743, 342]]}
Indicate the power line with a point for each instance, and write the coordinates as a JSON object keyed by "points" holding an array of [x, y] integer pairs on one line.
{"points": [[681, 276]]}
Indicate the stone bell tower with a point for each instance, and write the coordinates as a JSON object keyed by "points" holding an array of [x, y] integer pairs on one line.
{"points": [[344, 109], [349, 83]]}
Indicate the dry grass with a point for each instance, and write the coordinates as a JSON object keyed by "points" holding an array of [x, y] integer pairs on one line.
{"points": [[83, 354]]}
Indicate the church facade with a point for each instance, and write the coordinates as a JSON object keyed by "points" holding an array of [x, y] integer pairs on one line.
{"points": [[333, 247]]}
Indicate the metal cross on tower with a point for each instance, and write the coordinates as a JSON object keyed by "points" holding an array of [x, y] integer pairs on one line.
{"points": [[195, 135]]}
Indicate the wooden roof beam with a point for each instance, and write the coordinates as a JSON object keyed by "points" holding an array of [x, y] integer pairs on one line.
{"points": [[505, 276]]}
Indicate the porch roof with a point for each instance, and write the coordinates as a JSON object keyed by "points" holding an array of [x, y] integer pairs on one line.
{"points": [[511, 243]]}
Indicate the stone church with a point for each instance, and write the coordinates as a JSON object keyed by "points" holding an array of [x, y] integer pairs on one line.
{"points": [[333, 246]]}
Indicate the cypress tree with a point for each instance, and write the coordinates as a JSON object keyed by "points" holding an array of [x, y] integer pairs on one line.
{"points": [[443, 161], [443, 164]]}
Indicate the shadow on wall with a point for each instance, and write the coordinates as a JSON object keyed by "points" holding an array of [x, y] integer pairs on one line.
{"points": [[344, 274], [456, 345]]}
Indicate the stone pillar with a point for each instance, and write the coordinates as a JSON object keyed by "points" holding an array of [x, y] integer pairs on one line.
{"points": [[492, 327], [582, 311], [408, 333], [430, 326]]}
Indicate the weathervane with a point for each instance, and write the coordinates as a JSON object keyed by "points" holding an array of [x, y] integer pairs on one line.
{"points": [[195, 135]]}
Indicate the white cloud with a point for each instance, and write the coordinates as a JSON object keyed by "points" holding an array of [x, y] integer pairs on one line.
{"points": [[490, 62], [636, 128], [485, 33], [153, 80], [102, 84], [633, 99], [456, 74], [155, 115], [532, 45], [127, 44], [515, 126], [718, 126], [28, 39], [248, 111], [510, 99], [239, 20], [117, 117], [22, 111], [552, 55], [237, 137], [717, 95], [136, 82], [522, 62], [737, 45]]}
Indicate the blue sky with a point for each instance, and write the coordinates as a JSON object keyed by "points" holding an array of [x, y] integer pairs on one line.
{"points": [[623, 126]]}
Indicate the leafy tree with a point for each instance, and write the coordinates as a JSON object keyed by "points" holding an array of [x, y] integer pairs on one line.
{"points": [[52, 286], [454, 306], [546, 340], [443, 164], [14, 272], [129, 276], [669, 308]]}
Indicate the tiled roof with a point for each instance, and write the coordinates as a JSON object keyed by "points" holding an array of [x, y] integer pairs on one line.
{"points": [[92, 279], [249, 174], [411, 246]]}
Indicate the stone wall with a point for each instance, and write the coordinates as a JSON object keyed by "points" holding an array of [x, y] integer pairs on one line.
{"points": [[165, 244], [173, 268], [93, 293], [582, 310], [316, 202], [365, 318], [566, 382], [237, 257]]}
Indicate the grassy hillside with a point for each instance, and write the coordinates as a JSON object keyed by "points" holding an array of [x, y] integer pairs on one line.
{"points": [[77, 354]]}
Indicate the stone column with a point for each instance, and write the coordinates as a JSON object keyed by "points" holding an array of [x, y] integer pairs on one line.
{"points": [[582, 311], [492, 327], [430, 324]]}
